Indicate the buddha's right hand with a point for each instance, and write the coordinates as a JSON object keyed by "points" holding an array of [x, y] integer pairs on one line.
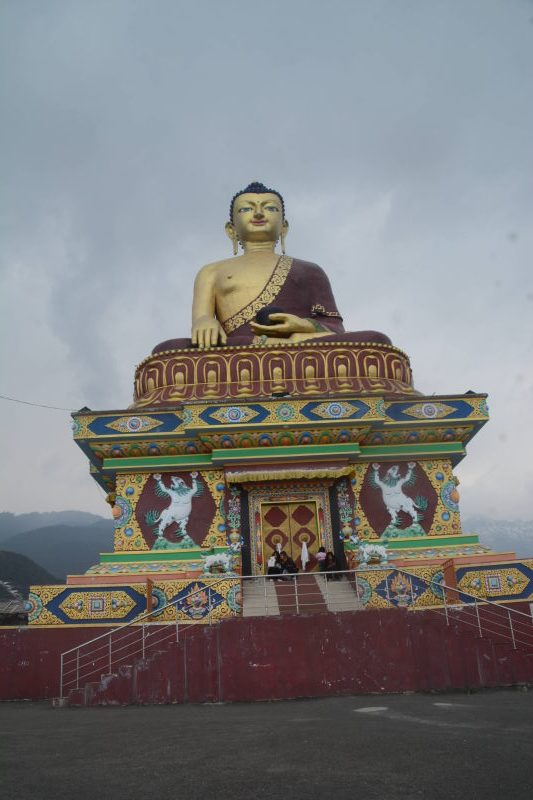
{"points": [[208, 332], [281, 324]]}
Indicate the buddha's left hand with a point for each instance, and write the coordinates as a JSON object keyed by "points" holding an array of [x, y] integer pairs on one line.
{"points": [[284, 325]]}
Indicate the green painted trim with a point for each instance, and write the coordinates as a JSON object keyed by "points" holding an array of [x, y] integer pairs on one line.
{"points": [[157, 462], [432, 541], [293, 452], [433, 449], [160, 555]]}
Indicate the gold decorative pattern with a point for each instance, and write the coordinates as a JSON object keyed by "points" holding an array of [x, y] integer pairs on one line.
{"points": [[130, 487], [116, 604], [323, 410], [45, 616], [281, 474], [80, 426], [494, 582], [269, 293], [363, 529], [194, 416], [200, 599], [99, 604], [376, 577], [215, 536], [479, 404], [429, 410], [441, 526], [134, 423], [444, 551], [428, 597], [241, 415], [147, 567]]}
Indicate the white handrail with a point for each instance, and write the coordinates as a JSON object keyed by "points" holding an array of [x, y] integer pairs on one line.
{"points": [[101, 650], [146, 615], [119, 629], [442, 585]]}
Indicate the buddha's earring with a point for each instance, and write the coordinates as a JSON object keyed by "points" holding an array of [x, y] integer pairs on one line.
{"points": [[282, 241], [235, 245]]}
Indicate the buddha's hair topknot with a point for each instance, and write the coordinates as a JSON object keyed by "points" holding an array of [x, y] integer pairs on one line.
{"points": [[256, 187]]}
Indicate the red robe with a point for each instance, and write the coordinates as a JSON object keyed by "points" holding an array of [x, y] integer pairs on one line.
{"points": [[297, 287]]}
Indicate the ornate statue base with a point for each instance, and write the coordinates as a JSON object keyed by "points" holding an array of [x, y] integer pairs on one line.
{"points": [[315, 367]]}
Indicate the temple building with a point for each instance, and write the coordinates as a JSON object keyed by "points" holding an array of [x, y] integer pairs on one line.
{"points": [[273, 429]]}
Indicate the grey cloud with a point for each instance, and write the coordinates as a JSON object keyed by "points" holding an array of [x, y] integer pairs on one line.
{"points": [[399, 134]]}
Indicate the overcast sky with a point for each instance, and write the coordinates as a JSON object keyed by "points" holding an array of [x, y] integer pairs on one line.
{"points": [[400, 133]]}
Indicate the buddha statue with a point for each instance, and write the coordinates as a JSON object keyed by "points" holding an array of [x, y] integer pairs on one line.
{"points": [[261, 297]]}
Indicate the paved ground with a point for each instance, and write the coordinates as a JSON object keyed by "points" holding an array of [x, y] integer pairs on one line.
{"points": [[387, 747]]}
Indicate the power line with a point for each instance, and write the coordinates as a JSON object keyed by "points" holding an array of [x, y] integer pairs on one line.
{"points": [[37, 405]]}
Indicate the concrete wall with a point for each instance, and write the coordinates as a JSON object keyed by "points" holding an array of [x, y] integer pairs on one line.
{"points": [[273, 658]]}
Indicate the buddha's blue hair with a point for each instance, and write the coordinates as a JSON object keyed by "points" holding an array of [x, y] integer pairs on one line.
{"points": [[256, 187]]}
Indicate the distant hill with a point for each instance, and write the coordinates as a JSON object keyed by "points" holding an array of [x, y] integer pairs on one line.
{"points": [[11, 524], [64, 549], [21, 572], [502, 534]]}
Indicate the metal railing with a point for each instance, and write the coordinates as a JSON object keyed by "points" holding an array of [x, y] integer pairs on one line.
{"points": [[488, 619], [132, 640], [300, 593], [401, 589], [265, 595]]}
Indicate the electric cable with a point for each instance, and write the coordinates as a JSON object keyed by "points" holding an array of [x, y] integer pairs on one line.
{"points": [[37, 405]]}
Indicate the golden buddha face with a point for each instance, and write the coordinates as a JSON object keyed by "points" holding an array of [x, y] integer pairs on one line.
{"points": [[257, 218]]}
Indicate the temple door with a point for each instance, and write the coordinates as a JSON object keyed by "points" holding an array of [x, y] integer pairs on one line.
{"points": [[290, 525]]}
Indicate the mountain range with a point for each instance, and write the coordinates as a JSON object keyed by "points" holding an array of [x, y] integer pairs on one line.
{"points": [[64, 549], [21, 573], [11, 524], [56, 544]]}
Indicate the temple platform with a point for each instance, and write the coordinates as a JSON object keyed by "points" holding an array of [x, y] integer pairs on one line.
{"points": [[338, 470]]}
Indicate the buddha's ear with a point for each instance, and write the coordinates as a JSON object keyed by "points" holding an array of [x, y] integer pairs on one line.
{"points": [[283, 233], [232, 234]]}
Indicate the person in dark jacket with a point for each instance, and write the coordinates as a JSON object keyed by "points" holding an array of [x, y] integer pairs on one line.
{"points": [[331, 567], [288, 567]]}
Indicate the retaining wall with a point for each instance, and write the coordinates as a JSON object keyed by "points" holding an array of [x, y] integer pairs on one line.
{"points": [[274, 658]]}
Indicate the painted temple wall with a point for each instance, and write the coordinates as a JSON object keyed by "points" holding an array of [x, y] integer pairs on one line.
{"points": [[399, 501], [422, 498]]}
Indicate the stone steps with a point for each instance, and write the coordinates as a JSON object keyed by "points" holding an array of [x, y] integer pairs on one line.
{"points": [[259, 599], [339, 595]]}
